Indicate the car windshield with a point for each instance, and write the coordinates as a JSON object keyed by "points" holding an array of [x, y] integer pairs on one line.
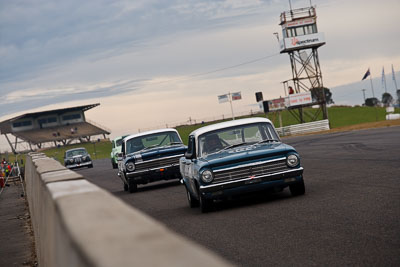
{"points": [[151, 141], [231, 137], [118, 142], [75, 152]]}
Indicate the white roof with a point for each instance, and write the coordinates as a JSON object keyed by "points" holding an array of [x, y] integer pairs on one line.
{"points": [[120, 137], [150, 132], [227, 124]]}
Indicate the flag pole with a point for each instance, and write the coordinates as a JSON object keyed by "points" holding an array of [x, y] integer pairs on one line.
{"points": [[230, 101], [372, 86], [394, 78], [373, 95], [384, 79]]}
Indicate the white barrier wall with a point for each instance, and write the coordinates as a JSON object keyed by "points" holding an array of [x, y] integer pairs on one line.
{"points": [[77, 223], [309, 127]]}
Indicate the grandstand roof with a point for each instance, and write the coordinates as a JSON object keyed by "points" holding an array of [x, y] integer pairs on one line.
{"points": [[5, 125], [53, 111]]}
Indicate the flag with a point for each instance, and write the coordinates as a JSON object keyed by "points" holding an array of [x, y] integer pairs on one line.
{"points": [[236, 96], [223, 98], [366, 75]]}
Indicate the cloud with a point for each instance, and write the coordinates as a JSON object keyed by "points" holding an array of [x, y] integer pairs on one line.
{"points": [[41, 35], [56, 49], [121, 52]]}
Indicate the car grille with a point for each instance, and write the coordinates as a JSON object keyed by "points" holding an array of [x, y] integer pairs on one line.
{"points": [[248, 171], [78, 160], [162, 162]]}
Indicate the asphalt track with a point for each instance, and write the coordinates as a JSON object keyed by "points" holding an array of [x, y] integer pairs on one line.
{"points": [[349, 215]]}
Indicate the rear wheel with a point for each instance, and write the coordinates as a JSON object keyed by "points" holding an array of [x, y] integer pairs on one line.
{"points": [[192, 201], [297, 189]]}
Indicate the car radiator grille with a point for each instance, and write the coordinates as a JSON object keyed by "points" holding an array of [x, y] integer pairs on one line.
{"points": [[163, 162], [248, 171]]}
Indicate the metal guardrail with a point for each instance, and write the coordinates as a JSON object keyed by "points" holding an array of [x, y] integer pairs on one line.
{"points": [[309, 127]]}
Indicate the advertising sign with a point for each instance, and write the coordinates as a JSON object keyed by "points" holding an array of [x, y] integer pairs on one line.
{"points": [[223, 98], [299, 22], [303, 41], [299, 99], [277, 104], [236, 96]]}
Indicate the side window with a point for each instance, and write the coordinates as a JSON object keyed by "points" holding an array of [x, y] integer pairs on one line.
{"points": [[299, 31]]}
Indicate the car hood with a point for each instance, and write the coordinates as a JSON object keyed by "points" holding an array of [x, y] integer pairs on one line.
{"points": [[159, 152], [245, 154]]}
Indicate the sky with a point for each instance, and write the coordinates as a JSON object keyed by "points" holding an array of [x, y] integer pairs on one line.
{"points": [[154, 63]]}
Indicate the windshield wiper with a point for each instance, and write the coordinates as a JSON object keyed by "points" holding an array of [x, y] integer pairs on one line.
{"points": [[174, 143], [267, 140], [234, 145]]}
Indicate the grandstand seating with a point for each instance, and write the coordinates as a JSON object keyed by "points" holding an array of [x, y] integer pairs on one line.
{"points": [[60, 133]]}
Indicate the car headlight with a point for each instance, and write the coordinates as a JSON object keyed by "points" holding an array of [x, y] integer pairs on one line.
{"points": [[71, 161], [207, 176], [292, 160], [130, 166]]}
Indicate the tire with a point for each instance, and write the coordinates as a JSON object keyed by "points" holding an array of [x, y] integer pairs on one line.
{"points": [[114, 165], [205, 204], [132, 187], [90, 166], [125, 187], [297, 189], [193, 203]]}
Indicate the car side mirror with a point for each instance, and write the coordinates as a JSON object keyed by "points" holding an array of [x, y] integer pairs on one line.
{"points": [[189, 155]]}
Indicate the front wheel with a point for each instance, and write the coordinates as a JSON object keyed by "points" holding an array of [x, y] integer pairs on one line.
{"points": [[114, 165], [192, 201], [297, 189], [125, 187], [205, 204], [132, 186]]}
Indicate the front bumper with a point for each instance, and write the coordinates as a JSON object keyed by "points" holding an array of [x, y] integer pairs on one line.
{"points": [[78, 165], [279, 179], [155, 174]]}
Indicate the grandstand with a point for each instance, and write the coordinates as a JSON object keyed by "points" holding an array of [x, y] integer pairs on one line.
{"points": [[52, 127]]}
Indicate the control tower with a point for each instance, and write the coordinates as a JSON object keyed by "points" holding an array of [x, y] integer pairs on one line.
{"points": [[301, 41]]}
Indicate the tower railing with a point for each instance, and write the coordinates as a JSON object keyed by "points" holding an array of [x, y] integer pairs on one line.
{"points": [[297, 14]]}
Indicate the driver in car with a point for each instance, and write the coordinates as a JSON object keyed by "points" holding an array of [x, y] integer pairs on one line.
{"points": [[212, 144]]}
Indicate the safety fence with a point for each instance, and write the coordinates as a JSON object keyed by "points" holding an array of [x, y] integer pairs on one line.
{"points": [[309, 127]]}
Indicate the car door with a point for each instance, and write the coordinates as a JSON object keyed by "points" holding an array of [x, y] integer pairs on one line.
{"points": [[120, 159], [188, 165]]}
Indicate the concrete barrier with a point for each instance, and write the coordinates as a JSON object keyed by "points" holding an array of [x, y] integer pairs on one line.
{"points": [[77, 223]]}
